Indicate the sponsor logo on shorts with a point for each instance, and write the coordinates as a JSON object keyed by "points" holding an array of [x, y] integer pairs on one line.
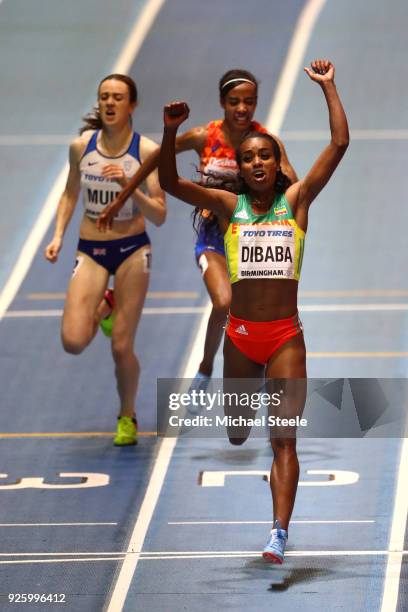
{"points": [[242, 330], [98, 251], [124, 249]]}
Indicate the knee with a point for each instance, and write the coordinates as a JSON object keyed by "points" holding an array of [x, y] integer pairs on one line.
{"points": [[122, 350], [73, 346], [284, 446]]}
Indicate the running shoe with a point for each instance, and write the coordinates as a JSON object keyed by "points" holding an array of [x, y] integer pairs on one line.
{"points": [[274, 550], [106, 324], [126, 432], [199, 383]]}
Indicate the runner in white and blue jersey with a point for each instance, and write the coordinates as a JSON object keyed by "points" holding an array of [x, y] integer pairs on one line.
{"points": [[102, 159]]}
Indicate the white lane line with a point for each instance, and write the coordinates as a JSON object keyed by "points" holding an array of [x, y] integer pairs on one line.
{"points": [[153, 295], [357, 355], [170, 556], [29, 140], [56, 525], [293, 63], [36, 235], [21, 314], [212, 554], [98, 553], [174, 554], [397, 536], [308, 135], [351, 307], [137, 36], [32, 243], [79, 560], [294, 522], [168, 310], [194, 294], [354, 293]]}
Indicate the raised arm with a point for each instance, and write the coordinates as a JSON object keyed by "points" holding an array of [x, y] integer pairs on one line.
{"points": [[220, 202], [192, 139], [67, 202], [305, 191]]}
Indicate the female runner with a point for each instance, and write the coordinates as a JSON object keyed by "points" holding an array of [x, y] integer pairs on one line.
{"points": [[264, 231], [102, 159], [215, 144]]}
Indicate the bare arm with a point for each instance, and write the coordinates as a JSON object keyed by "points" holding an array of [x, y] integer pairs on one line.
{"points": [[302, 194], [193, 139], [220, 202], [67, 202], [152, 206]]}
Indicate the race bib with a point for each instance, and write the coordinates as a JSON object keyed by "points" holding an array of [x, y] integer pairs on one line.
{"points": [[266, 251]]}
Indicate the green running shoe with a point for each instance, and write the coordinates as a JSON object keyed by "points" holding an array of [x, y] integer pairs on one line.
{"points": [[106, 324], [126, 432]]}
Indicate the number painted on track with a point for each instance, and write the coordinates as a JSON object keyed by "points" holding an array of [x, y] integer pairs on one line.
{"points": [[335, 477], [88, 479]]}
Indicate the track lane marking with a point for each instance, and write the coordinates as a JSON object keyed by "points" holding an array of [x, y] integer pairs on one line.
{"points": [[13, 140], [292, 522], [397, 536], [308, 135], [70, 434], [199, 555], [294, 58], [160, 310], [57, 525], [155, 295]]}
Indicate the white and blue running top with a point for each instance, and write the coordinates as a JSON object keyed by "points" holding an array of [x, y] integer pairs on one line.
{"points": [[98, 191]]}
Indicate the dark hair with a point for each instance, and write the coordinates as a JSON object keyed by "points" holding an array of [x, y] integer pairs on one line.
{"points": [[92, 121], [236, 75], [282, 181]]}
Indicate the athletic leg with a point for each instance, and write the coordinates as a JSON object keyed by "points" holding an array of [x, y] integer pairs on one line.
{"points": [[215, 275], [84, 294], [289, 362], [131, 283], [241, 375]]}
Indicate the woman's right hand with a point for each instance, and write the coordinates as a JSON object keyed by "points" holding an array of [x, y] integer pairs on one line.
{"points": [[175, 113], [52, 250]]}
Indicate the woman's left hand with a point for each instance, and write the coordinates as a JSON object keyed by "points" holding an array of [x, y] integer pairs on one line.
{"points": [[321, 72], [115, 173]]}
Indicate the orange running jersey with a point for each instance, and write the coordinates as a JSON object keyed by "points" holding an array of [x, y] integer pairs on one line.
{"points": [[218, 165]]}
